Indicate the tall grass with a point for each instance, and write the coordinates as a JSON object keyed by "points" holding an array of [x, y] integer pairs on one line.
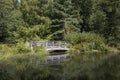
{"points": [[20, 49]]}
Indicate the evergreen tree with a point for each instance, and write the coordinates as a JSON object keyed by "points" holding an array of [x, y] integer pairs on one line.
{"points": [[62, 14], [52, 19], [71, 19], [57, 15]]}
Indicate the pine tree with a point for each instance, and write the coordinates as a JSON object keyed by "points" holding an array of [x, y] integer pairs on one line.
{"points": [[70, 11], [56, 14], [61, 13]]}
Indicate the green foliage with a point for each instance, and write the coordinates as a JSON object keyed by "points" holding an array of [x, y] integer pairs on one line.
{"points": [[30, 11], [6, 8], [5, 49], [84, 13], [55, 20], [107, 22], [16, 26], [40, 50], [98, 22], [61, 13], [38, 19], [37, 25], [22, 48], [86, 41]]}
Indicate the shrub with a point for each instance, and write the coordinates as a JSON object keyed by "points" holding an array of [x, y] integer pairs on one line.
{"points": [[21, 48], [40, 50], [6, 49], [86, 41]]}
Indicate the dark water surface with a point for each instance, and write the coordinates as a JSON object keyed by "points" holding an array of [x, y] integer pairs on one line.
{"points": [[83, 66]]}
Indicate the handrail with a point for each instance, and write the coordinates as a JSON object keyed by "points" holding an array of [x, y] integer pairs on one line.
{"points": [[49, 44]]}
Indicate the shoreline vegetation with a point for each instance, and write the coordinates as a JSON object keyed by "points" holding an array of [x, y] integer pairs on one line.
{"points": [[78, 43]]}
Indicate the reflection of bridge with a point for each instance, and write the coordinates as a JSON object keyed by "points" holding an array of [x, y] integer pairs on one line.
{"points": [[52, 60], [50, 45]]}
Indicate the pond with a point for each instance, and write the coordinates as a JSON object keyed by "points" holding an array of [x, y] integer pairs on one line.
{"points": [[83, 66]]}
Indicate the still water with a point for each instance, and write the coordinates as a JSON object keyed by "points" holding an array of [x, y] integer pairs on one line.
{"points": [[83, 66]]}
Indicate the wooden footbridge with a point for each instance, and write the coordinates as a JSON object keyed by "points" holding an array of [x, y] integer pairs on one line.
{"points": [[50, 45]]}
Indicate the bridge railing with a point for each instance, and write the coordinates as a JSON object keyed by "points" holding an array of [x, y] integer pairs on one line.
{"points": [[55, 44], [49, 44]]}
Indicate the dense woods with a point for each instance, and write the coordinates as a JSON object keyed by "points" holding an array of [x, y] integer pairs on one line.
{"points": [[91, 27], [53, 19]]}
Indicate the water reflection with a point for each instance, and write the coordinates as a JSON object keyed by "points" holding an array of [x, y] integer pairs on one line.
{"points": [[83, 66]]}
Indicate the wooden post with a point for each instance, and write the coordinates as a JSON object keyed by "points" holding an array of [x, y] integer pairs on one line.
{"points": [[59, 44], [31, 45], [65, 45], [53, 43]]}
